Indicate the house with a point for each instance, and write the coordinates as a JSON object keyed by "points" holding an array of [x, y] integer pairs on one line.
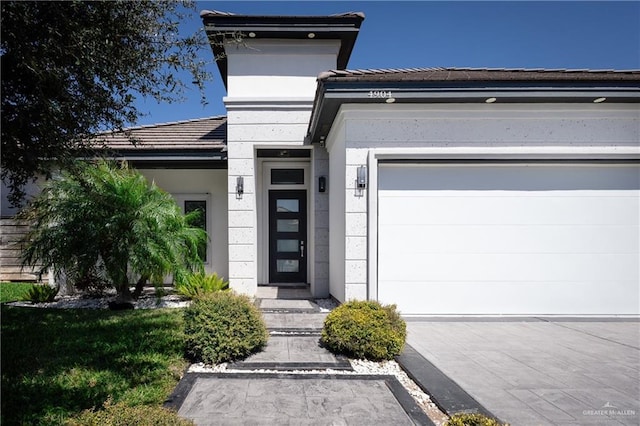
{"points": [[445, 191]]}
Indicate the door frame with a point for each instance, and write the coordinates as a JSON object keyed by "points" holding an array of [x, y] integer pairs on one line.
{"points": [[265, 185]]}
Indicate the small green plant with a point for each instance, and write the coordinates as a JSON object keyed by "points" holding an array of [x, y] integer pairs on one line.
{"points": [[468, 419], [199, 284], [41, 293], [223, 326], [121, 414], [160, 291], [365, 329]]}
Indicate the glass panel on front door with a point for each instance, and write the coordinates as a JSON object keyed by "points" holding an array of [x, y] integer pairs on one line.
{"points": [[287, 236], [286, 205], [288, 225]]}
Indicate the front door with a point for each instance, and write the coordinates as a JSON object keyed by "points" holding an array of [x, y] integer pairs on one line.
{"points": [[287, 236]]}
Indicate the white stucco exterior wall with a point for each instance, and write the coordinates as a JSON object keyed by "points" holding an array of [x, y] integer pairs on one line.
{"points": [[363, 133], [337, 197], [275, 69], [211, 184]]}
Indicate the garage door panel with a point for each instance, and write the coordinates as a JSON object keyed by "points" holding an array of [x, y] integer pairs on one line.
{"points": [[513, 209], [495, 239], [547, 239], [482, 268], [528, 298], [506, 177]]}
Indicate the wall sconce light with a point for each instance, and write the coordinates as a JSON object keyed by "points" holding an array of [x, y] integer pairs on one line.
{"points": [[361, 180], [239, 186], [322, 184]]}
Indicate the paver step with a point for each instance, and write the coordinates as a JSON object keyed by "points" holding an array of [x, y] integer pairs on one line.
{"points": [[284, 305], [285, 398], [293, 352], [294, 321]]}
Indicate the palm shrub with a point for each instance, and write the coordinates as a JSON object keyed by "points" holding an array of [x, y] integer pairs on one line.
{"points": [[223, 326], [365, 329], [41, 293], [102, 213], [198, 284]]}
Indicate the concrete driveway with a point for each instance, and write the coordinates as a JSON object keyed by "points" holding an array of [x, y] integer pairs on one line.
{"points": [[540, 371]]}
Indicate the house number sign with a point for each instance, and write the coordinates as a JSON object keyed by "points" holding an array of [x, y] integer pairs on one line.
{"points": [[380, 94]]}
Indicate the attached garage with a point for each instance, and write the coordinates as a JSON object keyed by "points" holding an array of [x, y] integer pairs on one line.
{"points": [[509, 238]]}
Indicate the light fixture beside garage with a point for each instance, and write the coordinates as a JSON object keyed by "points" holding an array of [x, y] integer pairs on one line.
{"points": [[239, 186], [599, 100], [361, 179], [490, 100]]}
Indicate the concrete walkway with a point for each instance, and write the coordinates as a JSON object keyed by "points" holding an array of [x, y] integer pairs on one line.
{"points": [[537, 371], [303, 387]]}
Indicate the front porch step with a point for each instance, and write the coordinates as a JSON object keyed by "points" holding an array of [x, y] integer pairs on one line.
{"points": [[288, 305], [283, 292]]}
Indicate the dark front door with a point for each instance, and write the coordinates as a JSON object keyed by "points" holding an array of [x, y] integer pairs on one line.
{"points": [[287, 236]]}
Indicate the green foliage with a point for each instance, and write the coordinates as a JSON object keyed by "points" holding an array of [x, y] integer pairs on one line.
{"points": [[365, 329], [123, 415], [58, 362], [41, 293], [464, 419], [90, 280], [199, 284], [11, 292], [223, 326], [74, 68], [111, 216]]}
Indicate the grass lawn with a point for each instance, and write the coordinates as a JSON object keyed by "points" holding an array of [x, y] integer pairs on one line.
{"points": [[58, 362], [10, 292]]}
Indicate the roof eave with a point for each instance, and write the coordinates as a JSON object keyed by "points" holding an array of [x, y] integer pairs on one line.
{"points": [[219, 26], [331, 95]]}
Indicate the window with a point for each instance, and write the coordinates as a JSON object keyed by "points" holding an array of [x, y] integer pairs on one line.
{"points": [[287, 176], [200, 221]]}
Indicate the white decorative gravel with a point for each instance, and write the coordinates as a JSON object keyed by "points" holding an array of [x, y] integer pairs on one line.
{"points": [[146, 301]]}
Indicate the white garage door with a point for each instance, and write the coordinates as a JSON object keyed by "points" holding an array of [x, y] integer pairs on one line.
{"points": [[512, 239]]}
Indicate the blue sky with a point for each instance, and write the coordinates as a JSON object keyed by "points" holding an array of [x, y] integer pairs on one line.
{"points": [[501, 34]]}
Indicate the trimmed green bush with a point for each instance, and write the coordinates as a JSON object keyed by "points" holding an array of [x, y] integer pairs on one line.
{"points": [[223, 326], [41, 293], [199, 284], [123, 415], [464, 419], [365, 329]]}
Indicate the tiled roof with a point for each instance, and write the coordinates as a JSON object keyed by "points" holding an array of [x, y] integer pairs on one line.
{"points": [[202, 133], [478, 74]]}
